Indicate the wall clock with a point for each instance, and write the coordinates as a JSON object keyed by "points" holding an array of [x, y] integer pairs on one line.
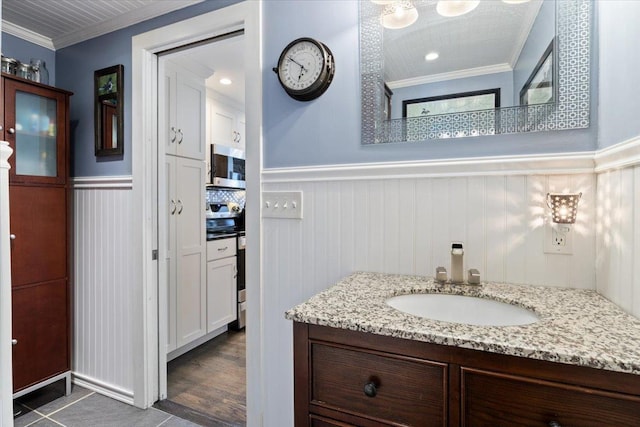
{"points": [[305, 69]]}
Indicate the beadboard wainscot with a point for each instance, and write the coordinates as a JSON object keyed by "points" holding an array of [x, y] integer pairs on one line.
{"points": [[618, 224], [104, 274], [402, 217]]}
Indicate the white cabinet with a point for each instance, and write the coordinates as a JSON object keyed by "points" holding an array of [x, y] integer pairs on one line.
{"points": [[226, 123], [186, 250], [184, 112], [222, 272]]}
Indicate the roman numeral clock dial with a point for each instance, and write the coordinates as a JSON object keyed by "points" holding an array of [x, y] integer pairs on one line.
{"points": [[305, 69]]}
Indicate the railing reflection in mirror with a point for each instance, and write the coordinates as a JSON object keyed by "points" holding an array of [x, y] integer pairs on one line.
{"points": [[505, 120]]}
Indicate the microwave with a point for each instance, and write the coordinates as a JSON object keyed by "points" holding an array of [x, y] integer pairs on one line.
{"points": [[227, 167]]}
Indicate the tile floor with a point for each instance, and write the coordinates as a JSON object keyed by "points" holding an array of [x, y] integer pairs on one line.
{"points": [[49, 407]]}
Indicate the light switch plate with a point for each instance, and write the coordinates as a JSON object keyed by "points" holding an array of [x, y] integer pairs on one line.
{"points": [[282, 204]]}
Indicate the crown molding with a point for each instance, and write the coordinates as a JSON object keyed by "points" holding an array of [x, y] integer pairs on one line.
{"points": [[27, 35], [460, 74], [150, 11]]}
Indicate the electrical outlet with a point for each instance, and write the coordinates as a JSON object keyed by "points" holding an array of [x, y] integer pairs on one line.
{"points": [[558, 239], [282, 204]]}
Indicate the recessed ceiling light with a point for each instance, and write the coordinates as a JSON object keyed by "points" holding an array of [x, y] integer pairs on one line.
{"points": [[431, 56], [225, 81]]}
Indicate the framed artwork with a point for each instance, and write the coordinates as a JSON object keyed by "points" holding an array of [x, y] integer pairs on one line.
{"points": [[451, 103], [540, 87], [109, 111]]}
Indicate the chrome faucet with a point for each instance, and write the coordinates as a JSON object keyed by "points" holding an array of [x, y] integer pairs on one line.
{"points": [[457, 253]]}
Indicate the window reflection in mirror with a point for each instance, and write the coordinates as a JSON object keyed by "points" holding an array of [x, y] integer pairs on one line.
{"points": [[109, 132]]}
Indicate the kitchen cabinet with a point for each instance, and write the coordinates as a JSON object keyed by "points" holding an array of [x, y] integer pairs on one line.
{"points": [[185, 112], [222, 273], [226, 123], [351, 378], [36, 125], [186, 250]]}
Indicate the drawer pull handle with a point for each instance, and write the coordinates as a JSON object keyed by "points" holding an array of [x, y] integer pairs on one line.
{"points": [[370, 389], [554, 424], [223, 249]]}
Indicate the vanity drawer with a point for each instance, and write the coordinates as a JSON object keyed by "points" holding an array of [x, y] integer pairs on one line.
{"points": [[399, 389], [494, 399]]}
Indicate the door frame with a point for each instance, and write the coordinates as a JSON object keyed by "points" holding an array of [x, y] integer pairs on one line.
{"points": [[148, 360]]}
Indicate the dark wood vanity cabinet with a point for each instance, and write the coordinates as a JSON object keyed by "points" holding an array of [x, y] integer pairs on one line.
{"points": [[36, 125], [347, 378]]}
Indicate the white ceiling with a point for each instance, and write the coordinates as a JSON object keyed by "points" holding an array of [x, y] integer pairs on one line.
{"points": [[488, 39], [55, 24]]}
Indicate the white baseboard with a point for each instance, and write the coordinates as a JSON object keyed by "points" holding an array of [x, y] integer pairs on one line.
{"points": [[103, 388], [195, 343]]}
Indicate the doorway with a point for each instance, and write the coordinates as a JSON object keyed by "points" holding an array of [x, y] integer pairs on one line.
{"points": [[150, 381], [201, 105]]}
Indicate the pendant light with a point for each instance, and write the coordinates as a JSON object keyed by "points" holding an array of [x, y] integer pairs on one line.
{"points": [[399, 14], [451, 8]]}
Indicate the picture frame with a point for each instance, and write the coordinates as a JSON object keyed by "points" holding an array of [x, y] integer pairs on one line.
{"points": [[540, 86], [109, 111]]}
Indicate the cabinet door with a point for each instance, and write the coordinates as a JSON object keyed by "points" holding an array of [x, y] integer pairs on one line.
{"points": [[35, 126], [184, 112], [191, 108], [191, 251], [40, 326], [38, 220], [221, 292], [170, 244], [223, 125]]}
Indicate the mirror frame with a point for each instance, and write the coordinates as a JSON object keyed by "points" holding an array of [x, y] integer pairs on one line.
{"points": [[103, 105], [571, 110]]}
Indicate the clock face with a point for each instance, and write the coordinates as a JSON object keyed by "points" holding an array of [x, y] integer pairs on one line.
{"points": [[305, 69], [302, 64]]}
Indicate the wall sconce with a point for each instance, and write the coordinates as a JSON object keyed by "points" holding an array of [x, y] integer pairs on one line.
{"points": [[564, 207]]}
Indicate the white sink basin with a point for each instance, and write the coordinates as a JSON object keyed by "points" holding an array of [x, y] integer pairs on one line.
{"points": [[463, 309]]}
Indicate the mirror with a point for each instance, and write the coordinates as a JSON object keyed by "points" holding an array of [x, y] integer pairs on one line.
{"points": [[109, 126], [529, 61]]}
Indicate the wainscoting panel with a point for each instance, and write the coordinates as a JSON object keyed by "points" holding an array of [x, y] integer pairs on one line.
{"points": [[618, 237], [102, 344], [406, 226]]}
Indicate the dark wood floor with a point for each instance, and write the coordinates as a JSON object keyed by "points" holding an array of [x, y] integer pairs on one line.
{"points": [[208, 384]]}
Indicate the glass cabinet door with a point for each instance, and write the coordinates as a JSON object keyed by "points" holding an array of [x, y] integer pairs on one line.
{"points": [[36, 150], [35, 119]]}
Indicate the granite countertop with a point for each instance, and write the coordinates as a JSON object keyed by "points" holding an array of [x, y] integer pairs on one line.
{"points": [[577, 327]]}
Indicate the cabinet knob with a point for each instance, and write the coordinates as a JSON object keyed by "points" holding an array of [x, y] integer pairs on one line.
{"points": [[554, 424], [12, 236], [12, 131], [370, 389], [14, 341]]}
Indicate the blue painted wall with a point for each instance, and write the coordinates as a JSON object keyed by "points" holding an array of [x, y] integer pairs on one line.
{"points": [[320, 132], [503, 81], [541, 34], [327, 130], [75, 67], [16, 48], [619, 65]]}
